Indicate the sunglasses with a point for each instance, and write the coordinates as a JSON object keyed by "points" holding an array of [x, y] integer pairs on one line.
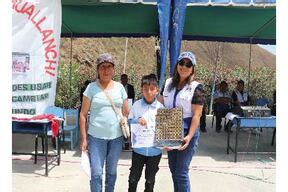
{"points": [[188, 64]]}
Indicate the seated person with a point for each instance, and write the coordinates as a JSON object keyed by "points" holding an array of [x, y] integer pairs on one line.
{"points": [[273, 112], [239, 96], [222, 104], [272, 106], [262, 101]]}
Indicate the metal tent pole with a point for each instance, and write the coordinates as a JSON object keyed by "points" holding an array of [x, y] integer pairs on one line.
{"points": [[70, 64], [265, 25], [250, 61], [125, 55], [214, 77], [70, 71]]}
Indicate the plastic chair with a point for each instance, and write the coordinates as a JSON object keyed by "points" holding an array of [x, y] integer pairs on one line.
{"points": [[262, 101], [57, 112], [71, 127]]}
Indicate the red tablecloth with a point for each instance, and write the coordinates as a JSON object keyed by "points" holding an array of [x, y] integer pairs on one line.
{"points": [[50, 117]]}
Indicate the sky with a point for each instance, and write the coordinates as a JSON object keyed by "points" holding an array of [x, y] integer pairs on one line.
{"points": [[270, 48]]}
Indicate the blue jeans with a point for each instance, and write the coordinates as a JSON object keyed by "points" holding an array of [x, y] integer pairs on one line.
{"points": [[100, 151], [179, 162]]}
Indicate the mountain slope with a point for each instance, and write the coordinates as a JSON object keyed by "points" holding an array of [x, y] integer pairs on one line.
{"points": [[141, 60], [141, 52]]}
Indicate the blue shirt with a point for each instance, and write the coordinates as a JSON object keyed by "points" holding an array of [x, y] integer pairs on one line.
{"points": [[147, 111], [103, 121]]}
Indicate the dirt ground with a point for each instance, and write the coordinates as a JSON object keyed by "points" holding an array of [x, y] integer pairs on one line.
{"points": [[211, 170]]}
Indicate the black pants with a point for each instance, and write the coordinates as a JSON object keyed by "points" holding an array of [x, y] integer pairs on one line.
{"points": [[220, 111], [203, 120], [218, 121], [151, 169]]}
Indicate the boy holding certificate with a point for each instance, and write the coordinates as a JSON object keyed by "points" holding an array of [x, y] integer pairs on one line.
{"points": [[142, 120]]}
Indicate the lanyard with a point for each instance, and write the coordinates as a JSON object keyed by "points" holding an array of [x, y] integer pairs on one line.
{"points": [[174, 98]]}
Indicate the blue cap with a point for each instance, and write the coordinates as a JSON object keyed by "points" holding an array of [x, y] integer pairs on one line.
{"points": [[187, 55]]}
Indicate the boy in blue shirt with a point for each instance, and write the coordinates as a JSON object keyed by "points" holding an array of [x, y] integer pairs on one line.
{"points": [[144, 112]]}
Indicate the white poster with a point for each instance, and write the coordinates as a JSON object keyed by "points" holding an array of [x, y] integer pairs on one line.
{"points": [[141, 136], [36, 29]]}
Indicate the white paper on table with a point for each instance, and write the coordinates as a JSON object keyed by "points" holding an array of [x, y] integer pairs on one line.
{"points": [[85, 163], [141, 136], [231, 116]]}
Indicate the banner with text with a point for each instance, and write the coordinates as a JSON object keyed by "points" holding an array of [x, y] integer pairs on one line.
{"points": [[36, 28]]}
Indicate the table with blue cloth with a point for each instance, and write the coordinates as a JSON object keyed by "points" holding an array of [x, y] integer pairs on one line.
{"points": [[38, 128], [249, 122]]}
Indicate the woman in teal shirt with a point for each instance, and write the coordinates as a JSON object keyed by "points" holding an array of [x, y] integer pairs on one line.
{"points": [[104, 137]]}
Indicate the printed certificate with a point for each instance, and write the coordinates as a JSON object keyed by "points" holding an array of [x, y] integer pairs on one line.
{"points": [[142, 136]]}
